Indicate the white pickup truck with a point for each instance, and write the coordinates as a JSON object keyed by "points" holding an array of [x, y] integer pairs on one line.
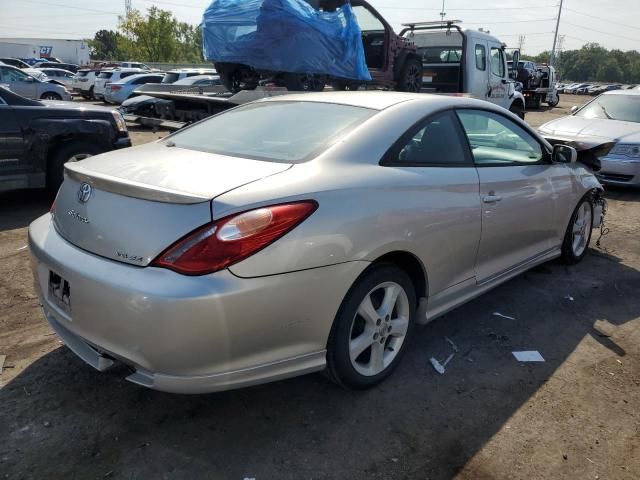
{"points": [[465, 61]]}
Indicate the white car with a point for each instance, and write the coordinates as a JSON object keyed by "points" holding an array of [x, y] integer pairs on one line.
{"points": [[613, 117], [65, 77], [84, 81], [172, 76], [111, 75]]}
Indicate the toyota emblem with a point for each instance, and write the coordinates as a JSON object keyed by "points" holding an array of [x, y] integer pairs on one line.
{"points": [[84, 193]]}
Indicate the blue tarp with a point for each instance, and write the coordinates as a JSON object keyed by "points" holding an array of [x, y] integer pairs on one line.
{"points": [[284, 36]]}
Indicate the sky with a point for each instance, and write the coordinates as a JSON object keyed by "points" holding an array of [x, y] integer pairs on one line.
{"points": [[611, 23]]}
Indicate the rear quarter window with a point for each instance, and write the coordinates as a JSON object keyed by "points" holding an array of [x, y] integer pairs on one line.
{"points": [[105, 75]]}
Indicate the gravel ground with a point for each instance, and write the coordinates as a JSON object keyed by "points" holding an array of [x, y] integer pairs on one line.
{"points": [[575, 416]]}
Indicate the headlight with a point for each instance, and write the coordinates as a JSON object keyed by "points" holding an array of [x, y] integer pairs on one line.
{"points": [[626, 150], [121, 125]]}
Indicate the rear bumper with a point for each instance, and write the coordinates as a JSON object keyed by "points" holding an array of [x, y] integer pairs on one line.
{"points": [[189, 334], [615, 171]]}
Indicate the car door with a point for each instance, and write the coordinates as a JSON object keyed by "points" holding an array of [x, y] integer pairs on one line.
{"points": [[12, 146], [440, 207], [19, 82], [517, 192], [498, 84], [478, 72]]}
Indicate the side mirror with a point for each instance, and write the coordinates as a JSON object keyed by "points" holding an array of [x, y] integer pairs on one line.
{"points": [[564, 154], [516, 59], [574, 109], [29, 79]]}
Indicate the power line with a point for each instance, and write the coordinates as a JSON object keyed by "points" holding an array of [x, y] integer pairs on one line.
{"points": [[69, 6], [602, 32], [393, 7], [602, 19], [490, 22]]}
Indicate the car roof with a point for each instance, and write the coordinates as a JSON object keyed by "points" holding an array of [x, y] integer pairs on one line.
{"points": [[376, 99], [187, 70], [622, 92], [52, 68], [131, 78]]}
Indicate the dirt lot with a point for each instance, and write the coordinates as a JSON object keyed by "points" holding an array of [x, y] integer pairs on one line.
{"points": [[577, 415]]}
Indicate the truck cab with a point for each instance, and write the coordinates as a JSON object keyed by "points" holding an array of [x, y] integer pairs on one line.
{"points": [[464, 61]]}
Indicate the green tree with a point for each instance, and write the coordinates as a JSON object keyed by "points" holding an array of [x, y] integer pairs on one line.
{"points": [[104, 45]]}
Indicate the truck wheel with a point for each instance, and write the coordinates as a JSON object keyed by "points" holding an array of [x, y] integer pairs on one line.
{"points": [[71, 152], [236, 78], [411, 76], [516, 108], [50, 96], [554, 101], [301, 82]]}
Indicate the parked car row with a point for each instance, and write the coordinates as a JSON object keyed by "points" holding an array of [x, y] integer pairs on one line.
{"points": [[115, 85], [592, 88]]}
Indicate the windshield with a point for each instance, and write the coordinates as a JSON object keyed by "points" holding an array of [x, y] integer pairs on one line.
{"points": [[273, 131], [613, 107], [170, 77]]}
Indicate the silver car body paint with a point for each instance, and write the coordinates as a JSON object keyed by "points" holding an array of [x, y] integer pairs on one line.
{"points": [[269, 316]]}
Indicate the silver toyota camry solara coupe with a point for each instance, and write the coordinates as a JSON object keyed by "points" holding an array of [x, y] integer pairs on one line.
{"points": [[301, 233]]}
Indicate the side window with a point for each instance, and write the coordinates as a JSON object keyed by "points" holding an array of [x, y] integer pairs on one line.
{"points": [[13, 75], [497, 62], [366, 20], [498, 141], [126, 74], [438, 141], [481, 57]]}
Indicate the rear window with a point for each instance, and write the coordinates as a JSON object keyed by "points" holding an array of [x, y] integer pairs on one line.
{"points": [[170, 77], [82, 73], [440, 54], [287, 132], [105, 75]]}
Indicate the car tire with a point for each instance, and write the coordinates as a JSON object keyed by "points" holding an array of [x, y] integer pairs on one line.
{"points": [[70, 152], [50, 96], [363, 350], [300, 82], [410, 76], [342, 85], [91, 96], [578, 235], [517, 109]]}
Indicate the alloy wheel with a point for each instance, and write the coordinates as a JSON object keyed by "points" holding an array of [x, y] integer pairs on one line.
{"points": [[580, 231], [379, 328]]}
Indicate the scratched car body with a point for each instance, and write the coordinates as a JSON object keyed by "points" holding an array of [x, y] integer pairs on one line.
{"points": [[301, 233]]}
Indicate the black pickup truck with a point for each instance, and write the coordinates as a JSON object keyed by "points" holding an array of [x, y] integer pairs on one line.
{"points": [[38, 138]]}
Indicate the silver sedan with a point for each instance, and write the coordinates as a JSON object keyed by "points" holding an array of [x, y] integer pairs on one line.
{"points": [[611, 117], [301, 233]]}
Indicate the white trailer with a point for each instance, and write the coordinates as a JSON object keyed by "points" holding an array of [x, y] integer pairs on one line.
{"points": [[17, 50], [69, 51]]}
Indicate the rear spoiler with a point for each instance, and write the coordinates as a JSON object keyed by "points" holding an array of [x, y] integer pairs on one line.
{"points": [[589, 149]]}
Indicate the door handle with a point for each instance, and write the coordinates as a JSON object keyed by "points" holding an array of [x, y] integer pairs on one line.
{"points": [[491, 198]]}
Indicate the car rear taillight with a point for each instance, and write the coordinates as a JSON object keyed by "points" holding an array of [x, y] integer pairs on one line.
{"points": [[115, 88], [222, 243]]}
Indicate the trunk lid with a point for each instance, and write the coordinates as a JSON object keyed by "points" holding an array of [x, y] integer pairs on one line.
{"points": [[129, 205]]}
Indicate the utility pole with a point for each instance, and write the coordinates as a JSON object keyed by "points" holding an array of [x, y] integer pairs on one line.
{"points": [[521, 39], [555, 37], [442, 13], [127, 7]]}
